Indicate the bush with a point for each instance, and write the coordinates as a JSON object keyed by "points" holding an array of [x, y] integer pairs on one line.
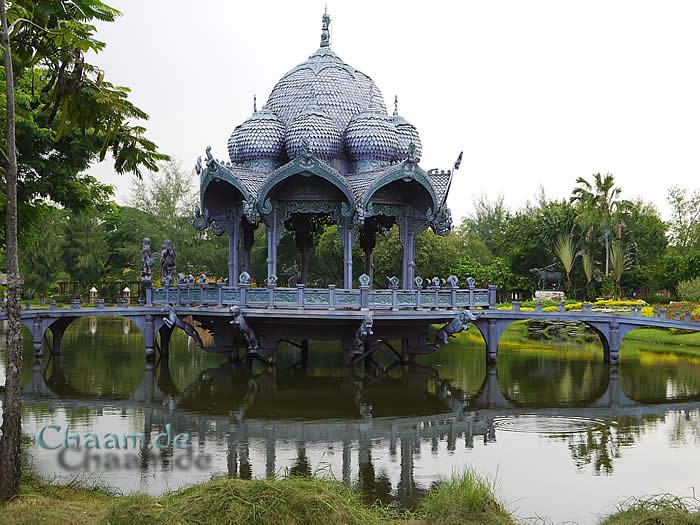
{"points": [[466, 499], [689, 290], [260, 501]]}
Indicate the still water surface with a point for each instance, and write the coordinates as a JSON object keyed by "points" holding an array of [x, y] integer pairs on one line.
{"points": [[561, 434]]}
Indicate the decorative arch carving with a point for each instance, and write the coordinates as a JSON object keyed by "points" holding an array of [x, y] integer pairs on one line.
{"points": [[305, 165], [405, 171], [217, 171]]}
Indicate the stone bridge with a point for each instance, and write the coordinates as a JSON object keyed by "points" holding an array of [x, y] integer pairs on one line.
{"points": [[358, 329]]}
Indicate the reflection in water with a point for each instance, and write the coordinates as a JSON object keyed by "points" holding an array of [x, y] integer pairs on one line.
{"points": [[392, 432]]}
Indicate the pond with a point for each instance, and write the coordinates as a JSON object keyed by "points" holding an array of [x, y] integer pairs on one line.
{"points": [[559, 432]]}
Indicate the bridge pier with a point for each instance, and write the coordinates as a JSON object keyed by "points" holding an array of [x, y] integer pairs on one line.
{"points": [[610, 334], [491, 330]]}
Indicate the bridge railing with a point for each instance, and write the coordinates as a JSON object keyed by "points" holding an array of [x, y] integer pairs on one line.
{"points": [[331, 298]]}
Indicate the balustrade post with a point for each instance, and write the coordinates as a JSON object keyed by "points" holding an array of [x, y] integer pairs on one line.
{"points": [[300, 296], [364, 297], [220, 291], [394, 298], [418, 297], [331, 297], [270, 294], [243, 289], [516, 306], [492, 295]]}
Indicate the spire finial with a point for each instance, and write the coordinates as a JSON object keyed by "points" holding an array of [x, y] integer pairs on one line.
{"points": [[325, 32], [255, 103], [396, 105]]}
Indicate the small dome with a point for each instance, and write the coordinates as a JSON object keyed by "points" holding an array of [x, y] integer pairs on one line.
{"points": [[407, 134], [261, 137], [371, 136], [316, 127]]}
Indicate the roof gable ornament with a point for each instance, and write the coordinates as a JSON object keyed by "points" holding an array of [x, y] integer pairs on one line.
{"points": [[325, 30], [396, 105]]}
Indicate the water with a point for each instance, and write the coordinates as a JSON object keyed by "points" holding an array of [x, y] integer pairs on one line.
{"points": [[561, 434]]}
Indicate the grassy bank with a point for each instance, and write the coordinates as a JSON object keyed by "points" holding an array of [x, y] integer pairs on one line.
{"points": [[466, 499]]}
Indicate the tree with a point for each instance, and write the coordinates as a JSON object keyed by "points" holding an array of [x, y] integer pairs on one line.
{"points": [[619, 260], [168, 197], [11, 409], [685, 224], [85, 249], [599, 203], [489, 221], [43, 259], [67, 116], [565, 248]]}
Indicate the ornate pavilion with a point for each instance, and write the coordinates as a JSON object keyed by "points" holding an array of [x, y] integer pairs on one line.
{"points": [[323, 150]]}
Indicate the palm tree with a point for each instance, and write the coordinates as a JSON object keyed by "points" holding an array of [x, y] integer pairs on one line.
{"points": [[565, 249], [618, 260], [599, 204]]}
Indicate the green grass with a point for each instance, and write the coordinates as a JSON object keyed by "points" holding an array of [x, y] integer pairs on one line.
{"points": [[466, 499], [660, 510]]}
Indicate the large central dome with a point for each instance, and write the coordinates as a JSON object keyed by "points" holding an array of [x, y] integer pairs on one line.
{"points": [[329, 108], [324, 80]]}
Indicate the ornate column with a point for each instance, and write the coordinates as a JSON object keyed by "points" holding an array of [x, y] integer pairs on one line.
{"points": [[346, 229], [408, 240], [233, 238], [273, 235]]}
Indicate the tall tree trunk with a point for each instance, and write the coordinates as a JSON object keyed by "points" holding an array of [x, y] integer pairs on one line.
{"points": [[607, 253], [12, 408]]}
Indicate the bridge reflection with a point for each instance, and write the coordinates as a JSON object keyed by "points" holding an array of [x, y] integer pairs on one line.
{"points": [[360, 416]]}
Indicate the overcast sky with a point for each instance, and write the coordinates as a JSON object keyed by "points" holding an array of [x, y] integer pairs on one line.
{"points": [[534, 92]]}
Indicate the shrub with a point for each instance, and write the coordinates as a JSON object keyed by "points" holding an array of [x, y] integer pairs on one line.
{"points": [[689, 290], [466, 499]]}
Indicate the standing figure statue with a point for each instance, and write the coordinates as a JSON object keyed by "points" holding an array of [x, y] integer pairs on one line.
{"points": [[167, 264], [148, 259]]}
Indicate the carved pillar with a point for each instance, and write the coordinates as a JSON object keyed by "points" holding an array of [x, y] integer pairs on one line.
{"points": [[272, 239], [408, 240], [347, 252], [233, 238]]}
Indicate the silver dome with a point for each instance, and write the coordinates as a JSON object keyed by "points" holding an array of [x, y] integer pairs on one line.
{"points": [[261, 137]]}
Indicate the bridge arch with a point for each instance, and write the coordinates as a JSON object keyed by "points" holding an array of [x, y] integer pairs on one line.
{"points": [[41, 324]]}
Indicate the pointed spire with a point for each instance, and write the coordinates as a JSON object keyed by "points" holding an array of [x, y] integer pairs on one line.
{"points": [[396, 105], [325, 31], [255, 103]]}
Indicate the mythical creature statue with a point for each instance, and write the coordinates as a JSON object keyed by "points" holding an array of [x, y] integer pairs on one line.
{"points": [[458, 324], [167, 264], [362, 332], [292, 274], [440, 221], [244, 327], [202, 278], [200, 221], [172, 321], [148, 260], [250, 210], [547, 276]]}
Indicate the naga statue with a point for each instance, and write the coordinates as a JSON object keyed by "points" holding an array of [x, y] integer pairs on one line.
{"points": [[167, 264], [148, 260], [172, 321], [458, 324], [244, 327], [362, 332]]}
